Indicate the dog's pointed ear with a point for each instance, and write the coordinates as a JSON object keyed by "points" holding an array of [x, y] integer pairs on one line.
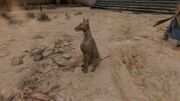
{"points": [[87, 20], [84, 19]]}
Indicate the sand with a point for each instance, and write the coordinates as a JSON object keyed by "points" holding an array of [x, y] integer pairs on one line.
{"points": [[141, 66]]}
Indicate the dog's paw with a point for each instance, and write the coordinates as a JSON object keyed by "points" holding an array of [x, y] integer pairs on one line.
{"points": [[84, 70], [93, 70], [83, 65]]}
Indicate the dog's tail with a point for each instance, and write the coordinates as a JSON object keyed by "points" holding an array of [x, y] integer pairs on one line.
{"points": [[105, 57]]}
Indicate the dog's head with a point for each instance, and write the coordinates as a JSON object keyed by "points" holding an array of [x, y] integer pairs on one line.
{"points": [[83, 26]]}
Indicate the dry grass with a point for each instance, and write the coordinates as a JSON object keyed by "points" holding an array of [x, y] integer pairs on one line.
{"points": [[44, 17], [128, 31]]}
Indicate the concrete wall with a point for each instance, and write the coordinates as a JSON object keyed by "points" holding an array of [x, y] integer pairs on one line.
{"points": [[87, 2]]}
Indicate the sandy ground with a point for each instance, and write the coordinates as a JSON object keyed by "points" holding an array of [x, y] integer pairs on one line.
{"points": [[141, 66]]}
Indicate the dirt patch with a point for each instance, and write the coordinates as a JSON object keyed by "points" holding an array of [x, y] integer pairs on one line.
{"points": [[134, 61], [140, 68]]}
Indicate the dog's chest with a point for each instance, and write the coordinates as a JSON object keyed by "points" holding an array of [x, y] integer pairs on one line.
{"points": [[86, 46]]}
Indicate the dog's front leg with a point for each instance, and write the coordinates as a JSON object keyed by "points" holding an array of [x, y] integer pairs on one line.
{"points": [[85, 69], [84, 60]]}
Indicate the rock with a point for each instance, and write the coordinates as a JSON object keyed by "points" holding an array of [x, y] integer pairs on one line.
{"points": [[137, 38], [66, 43], [67, 56], [55, 67], [47, 84], [39, 96], [60, 62], [17, 61], [10, 94], [3, 54], [58, 50], [68, 49], [57, 43], [28, 79], [74, 60], [3, 51], [27, 91], [47, 53], [73, 63], [157, 40], [38, 57], [139, 80], [37, 54], [63, 63], [46, 69]]}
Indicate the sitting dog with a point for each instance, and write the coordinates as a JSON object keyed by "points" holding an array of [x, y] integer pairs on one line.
{"points": [[88, 47]]}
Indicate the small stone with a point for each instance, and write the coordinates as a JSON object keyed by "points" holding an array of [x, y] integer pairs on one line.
{"points": [[46, 69], [3, 54], [17, 61], [73, 63], [47, 53], [3, 51], [66, 43], [11, 93], [27, 91], [55, 67], [40, 96], [137, 38], [47, 84], [38, 57], [37, 54], [139, 81], [63, 63], [57, 43], [58, 50], [67, 56]]}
